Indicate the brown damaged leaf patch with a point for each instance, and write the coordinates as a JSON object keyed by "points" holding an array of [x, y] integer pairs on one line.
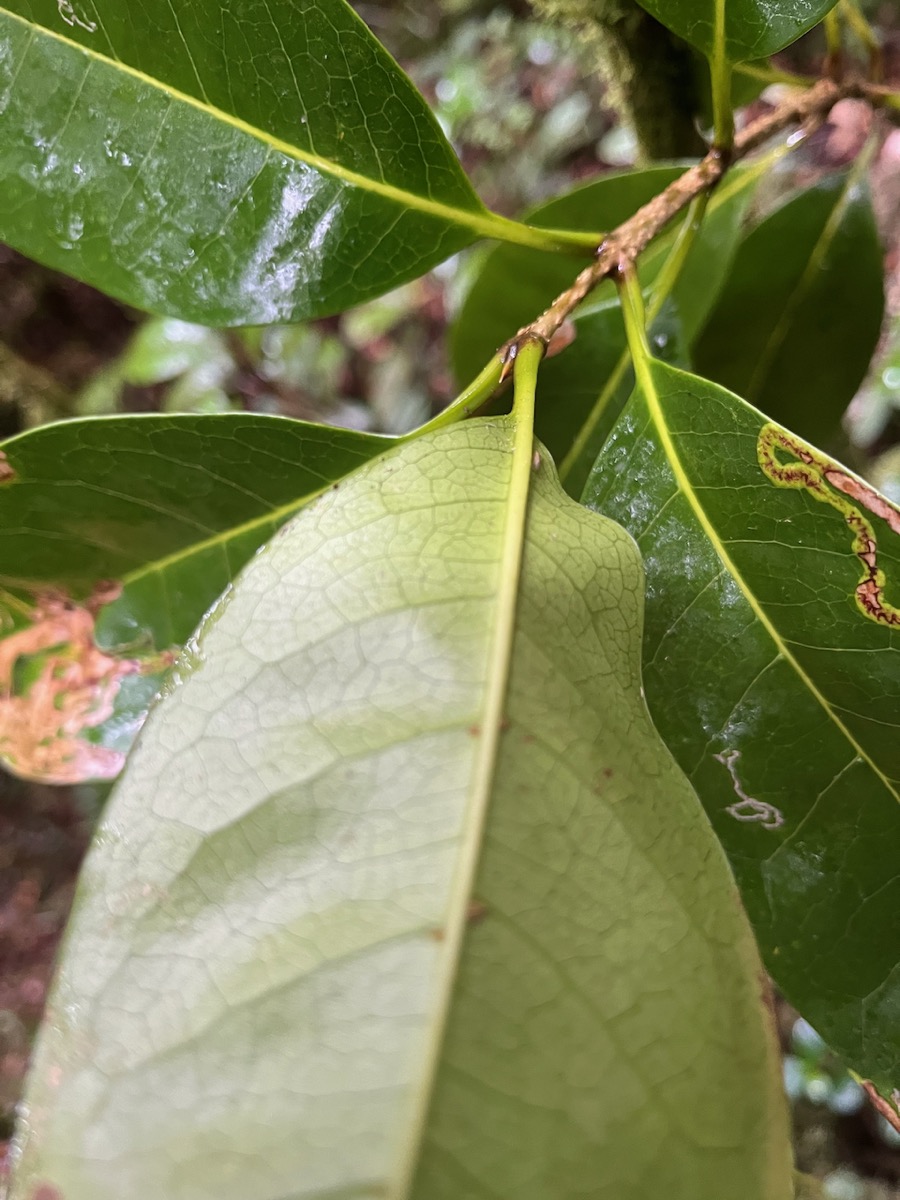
{"points": [[70, 686], [7, 472], [809, 469]]}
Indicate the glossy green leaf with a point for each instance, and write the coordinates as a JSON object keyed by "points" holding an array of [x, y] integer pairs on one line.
{"points": [[771, 669], [582, 390], [575, 415], [116, 535], [227, 164], [796, 324], [739, 30], [400, 893]]}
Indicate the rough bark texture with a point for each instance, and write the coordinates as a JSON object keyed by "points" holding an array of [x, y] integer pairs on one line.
{"points": [[620, 249]]}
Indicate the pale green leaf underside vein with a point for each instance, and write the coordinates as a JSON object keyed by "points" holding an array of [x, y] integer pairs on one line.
{"points": [[271, 976]]}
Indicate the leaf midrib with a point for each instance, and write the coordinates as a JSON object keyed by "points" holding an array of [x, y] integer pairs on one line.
{"points": [[274, 515], [719, 39], [479, 220], [478, 803], [644, 373]]}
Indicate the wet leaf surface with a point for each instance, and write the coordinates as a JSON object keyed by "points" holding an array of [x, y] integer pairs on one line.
{"points": [[400, 893], [771, 669], [325, 178]]}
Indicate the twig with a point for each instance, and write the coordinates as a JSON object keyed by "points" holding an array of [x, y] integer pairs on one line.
{"points": [[878, 1102], [877, 94], [620, 249], [771, 73]]}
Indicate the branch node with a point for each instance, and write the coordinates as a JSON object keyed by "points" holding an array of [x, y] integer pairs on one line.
{"points": [[620, 249], [509, 352]]}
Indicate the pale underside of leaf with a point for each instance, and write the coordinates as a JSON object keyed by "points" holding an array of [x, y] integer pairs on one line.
{"points": [[282, 979]]}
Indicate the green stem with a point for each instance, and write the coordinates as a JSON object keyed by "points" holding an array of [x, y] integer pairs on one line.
{"points": [[662, 288], [858, 22], [723, 112], [632, 300], [554, 240], [832, 26], [720, 79], [525, 373], [677, 257], [772, 74], [468, 401]]}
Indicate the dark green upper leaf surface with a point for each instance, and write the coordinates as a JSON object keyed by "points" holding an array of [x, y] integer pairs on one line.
{"points": [[799, 316], [739, 30], [401, 894], [575, 415], [582, 390], [772, 652], [226, 163], [143, 521], [151, 498]]}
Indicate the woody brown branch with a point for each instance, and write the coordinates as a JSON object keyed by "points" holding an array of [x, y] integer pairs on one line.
{"points": [[620, 249]]}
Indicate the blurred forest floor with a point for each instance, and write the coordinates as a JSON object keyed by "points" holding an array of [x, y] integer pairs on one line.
{"points": [[529, 118]]}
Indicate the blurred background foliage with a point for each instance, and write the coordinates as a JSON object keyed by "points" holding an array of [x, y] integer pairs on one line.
{"points": [[529, 116]]}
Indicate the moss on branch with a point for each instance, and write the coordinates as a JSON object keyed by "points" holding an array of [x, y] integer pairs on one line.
{"points": [[652, 75]]}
